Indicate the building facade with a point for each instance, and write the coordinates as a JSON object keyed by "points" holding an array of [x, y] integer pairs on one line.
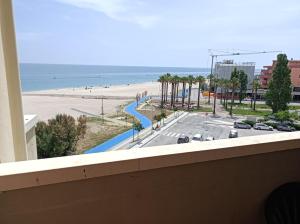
{"points": [[294, 65], [224, 69]]}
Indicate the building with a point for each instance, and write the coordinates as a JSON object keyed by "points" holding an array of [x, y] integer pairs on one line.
{"points": [[224, 69], [294, 65]]}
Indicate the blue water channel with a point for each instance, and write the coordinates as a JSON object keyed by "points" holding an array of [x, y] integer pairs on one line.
{"points": [[130, 109]]}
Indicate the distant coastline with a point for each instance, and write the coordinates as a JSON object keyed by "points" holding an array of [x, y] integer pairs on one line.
{"points": [[37, 77]]}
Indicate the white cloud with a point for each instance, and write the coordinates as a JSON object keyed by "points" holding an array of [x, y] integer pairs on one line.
{"points": [[133, 11]]}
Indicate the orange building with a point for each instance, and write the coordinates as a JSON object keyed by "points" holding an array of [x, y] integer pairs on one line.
{"points": [[294, 65]]}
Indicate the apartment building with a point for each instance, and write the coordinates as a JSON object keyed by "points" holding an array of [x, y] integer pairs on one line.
{"points": [[294, 65]]}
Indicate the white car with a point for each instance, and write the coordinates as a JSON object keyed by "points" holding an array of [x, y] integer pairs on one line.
{"points": [[209, 138], [262, 126], [197, 138]]}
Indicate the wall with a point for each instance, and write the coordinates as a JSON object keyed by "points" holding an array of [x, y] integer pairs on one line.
{"points": [[166, 189], [31, 144]]}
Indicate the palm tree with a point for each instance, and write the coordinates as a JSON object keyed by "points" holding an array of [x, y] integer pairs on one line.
{"points": [[184, 80], [177, 81], [200, 80], [234, 81], [256, 86], [191, 80], [167, 78], [162, 81], [173, 89]]}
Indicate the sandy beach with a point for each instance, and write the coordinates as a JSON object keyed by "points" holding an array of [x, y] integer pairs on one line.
{"points": [[77, 101]]}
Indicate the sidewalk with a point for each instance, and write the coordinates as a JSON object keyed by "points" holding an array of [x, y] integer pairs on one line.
{"points": [[148, 134], [156, 133]]}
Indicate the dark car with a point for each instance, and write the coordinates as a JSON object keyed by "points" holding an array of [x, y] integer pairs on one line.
{"points": [[285, 127], [241, 125], [183, 139], [233, 134]]}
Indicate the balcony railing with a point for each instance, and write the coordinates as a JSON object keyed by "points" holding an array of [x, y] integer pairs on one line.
{"points": [[225, 181]]}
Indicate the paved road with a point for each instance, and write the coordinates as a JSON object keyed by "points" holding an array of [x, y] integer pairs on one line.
{"points": [[198, 123]]}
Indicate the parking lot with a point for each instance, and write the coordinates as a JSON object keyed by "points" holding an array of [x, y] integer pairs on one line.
{"points": [[207, 126]]}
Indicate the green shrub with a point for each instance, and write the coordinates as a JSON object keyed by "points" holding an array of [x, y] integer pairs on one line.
{"points": [[296, 126], [282, 116], [59, 136], [251, 123], [272, 124]]}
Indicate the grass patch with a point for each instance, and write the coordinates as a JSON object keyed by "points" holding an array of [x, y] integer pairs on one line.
{"points": [[294, 107], [251, 112], [202, 109], [157, 111], [247, 105], [98, 132]]}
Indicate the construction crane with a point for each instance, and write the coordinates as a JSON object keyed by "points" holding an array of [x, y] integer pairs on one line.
{"points": [[226, 54]]}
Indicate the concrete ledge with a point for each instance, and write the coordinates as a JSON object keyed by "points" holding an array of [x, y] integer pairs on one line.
{"points": [[30, 121], [64, 169]]}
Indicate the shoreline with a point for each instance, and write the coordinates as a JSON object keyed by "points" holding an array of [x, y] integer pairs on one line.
{"points": [[87, 89]]}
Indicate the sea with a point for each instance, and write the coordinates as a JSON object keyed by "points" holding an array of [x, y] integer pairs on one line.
{"points": [[53, 76]]}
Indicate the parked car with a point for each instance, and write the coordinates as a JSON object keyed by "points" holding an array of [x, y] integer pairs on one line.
{"points": [[241, 125], [233, 134], [183, 139], [262, 126], [285, 127], [209, 138], [197, 138]]}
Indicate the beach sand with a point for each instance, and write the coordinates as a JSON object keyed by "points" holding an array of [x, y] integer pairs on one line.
{"points": [[47, 103]]}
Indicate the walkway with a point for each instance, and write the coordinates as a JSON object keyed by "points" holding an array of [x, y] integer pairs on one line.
{"points": [[130, 109]]}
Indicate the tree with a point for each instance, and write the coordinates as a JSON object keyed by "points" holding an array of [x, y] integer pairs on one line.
{"points": [[177, 82], [191, 80], [157, 118], [167, 80], [200, 80], [162, 81], [282, 116], [59, 136], [163, 115], [234, 84], [255, 87], [243, 79], [137, 126], [279, 93], [184, 80]]}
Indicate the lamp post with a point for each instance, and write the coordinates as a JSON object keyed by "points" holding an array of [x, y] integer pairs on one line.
{"points": [[102, 111]]}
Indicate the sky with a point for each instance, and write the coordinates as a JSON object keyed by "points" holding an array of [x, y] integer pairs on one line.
{"points": [[173, 33]]}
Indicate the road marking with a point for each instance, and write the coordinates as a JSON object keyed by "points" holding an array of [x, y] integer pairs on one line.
{"points": [[222, 122], [169, 133]]}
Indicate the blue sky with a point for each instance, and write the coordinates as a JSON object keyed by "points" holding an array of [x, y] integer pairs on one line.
{"points": [[154, 32]]}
